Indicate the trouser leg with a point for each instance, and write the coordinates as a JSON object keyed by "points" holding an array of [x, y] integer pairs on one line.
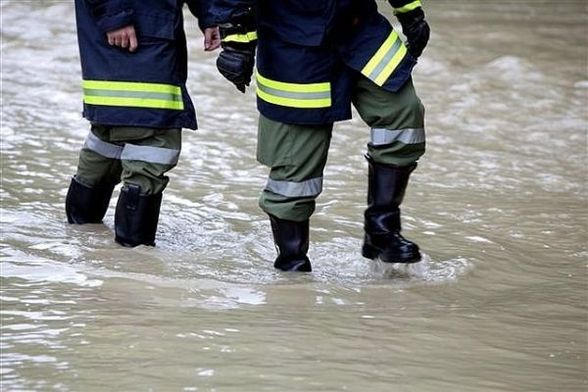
{"points": [[147, 155], [296, 155], [397, 142], [98, 172]]}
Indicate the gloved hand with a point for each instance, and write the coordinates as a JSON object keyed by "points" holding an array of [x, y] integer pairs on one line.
{"points": [[236, 66], [416, 29], [238, 40]]}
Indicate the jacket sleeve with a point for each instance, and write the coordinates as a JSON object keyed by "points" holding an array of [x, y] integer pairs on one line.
{"points": [[202, 10], [110, 14], [224, 9], [402, 6]]}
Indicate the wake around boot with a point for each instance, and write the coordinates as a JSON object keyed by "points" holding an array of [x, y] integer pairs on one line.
{"points": [[386, 188], [136, 217], [291, 239], [84, 204]]}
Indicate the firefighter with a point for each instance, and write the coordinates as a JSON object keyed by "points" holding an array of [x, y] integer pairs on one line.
{"points": [[314, 59], [134, 67]]}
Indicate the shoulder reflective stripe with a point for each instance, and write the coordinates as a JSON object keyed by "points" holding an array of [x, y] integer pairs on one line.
{"points": [[131, 94], [297, 95], [245, 38], [382, 136], [408, 7], [312, 187], [101, 147], [164, 156], [386, 59]]}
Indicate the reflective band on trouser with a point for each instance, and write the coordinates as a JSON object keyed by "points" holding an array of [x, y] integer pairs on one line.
{"points": [[164, 156], [408, 7], [312, 187], [294, 95], [132, 152], [386, 59], [132, 94], [243, 38], [381, 137], [103, 148]]}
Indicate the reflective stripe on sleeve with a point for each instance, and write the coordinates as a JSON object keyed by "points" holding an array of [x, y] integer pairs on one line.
{"points": [[242, 38], [382, 136], [384, 62], [164, 156], [408, 7], [133, 94], [296, 95], [312, 187], [101, 147]]}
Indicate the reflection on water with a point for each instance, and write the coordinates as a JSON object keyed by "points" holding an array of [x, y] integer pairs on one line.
{"points": [[498, 204]]}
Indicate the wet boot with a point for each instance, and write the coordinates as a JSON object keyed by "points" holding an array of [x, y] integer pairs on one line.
{"points": [[84, 204], [291, 239], [387, 184], [136, 217]]}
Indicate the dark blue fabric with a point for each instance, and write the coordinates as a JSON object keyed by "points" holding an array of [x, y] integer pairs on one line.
{"points": [[161, 56], [313, 41]]}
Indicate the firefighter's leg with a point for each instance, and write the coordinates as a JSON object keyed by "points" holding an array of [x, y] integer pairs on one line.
{"points": [[98, 172], [147, 155], [297, 155], [397, 142]]}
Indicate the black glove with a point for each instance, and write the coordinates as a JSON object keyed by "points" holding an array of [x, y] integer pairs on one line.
{"points": [[236, 66], [416, 29], [238, 40]]}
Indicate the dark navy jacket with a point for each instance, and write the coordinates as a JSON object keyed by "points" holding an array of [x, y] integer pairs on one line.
{"points": [[310, 52], [145, 88]]}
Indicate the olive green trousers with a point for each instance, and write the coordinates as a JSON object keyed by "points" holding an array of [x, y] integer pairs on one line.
{"points": [[297, 154], [138, 156]]}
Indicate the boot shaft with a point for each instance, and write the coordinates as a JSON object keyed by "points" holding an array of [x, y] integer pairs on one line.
{"points": [[85, 204], [387, 184], [136, 217]]}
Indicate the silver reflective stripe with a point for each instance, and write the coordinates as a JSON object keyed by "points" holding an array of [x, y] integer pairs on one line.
{"points": [[295, 95], [133, 94], [164, 156], [107, 150], [382, 136], [312, 187]]}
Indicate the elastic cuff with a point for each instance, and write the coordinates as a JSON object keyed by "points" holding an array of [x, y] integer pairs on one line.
{"points": [[408, 7]]}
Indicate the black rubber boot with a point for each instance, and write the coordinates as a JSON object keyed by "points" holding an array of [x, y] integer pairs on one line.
{"points": [[84, 204], [386, 188], [136, 217], [291, 239]]}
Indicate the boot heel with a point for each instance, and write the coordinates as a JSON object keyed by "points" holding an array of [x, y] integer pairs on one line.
{"points": [[369, 252]]}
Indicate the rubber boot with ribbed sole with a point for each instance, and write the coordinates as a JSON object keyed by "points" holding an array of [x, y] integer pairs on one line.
{"points": [[386, 187]]}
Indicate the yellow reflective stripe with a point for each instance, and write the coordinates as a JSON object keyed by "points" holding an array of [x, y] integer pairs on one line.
{"points": [[391, 66], [243, 38], [294, 87], [377, 58], [133, 94], [134, 102], [294, 103], [132, 86], [408, 7], [296, 95], [386, 60]]}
